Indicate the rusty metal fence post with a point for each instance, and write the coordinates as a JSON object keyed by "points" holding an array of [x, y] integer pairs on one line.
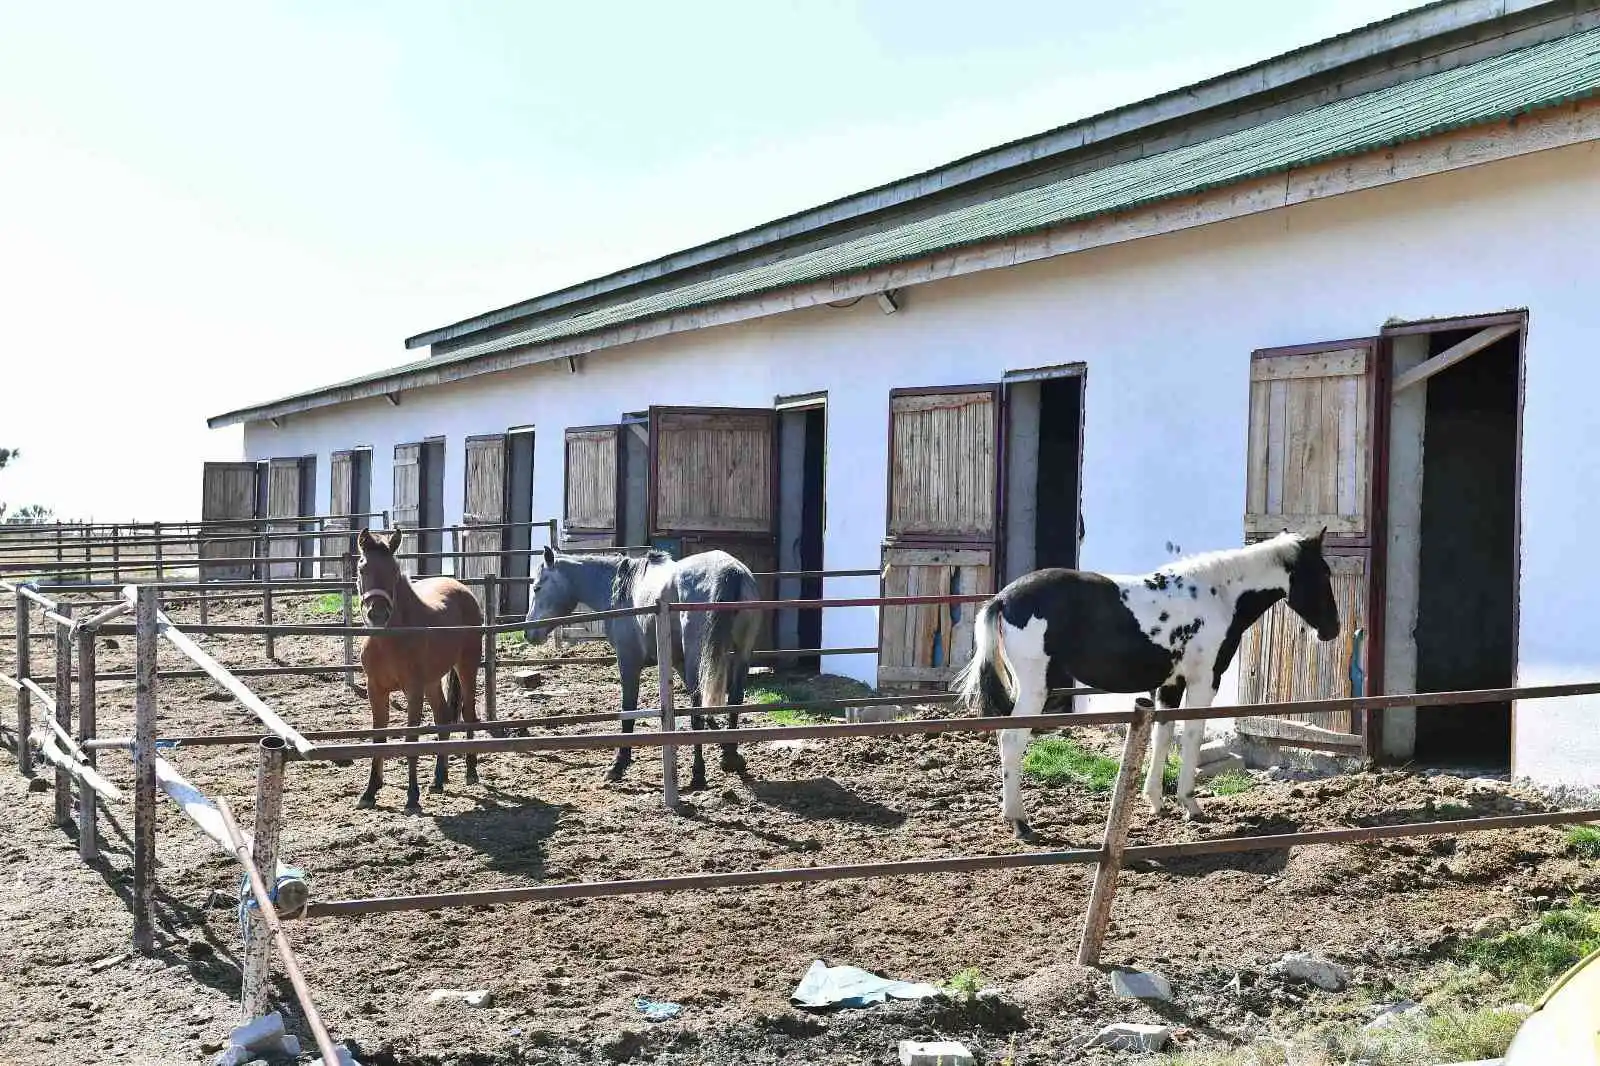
{"points": [[63, 696], [88, 846], [491, 649], [24, 695], [348, 593], [144, 763], [255, 993], [266, 620], [1098, 916], [668, 723]]}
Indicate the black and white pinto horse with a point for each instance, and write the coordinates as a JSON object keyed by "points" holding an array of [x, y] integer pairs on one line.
{"points": [[1172, 632], [711, 649]]}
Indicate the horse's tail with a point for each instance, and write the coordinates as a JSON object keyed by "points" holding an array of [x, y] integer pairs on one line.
{"points": [[987, 684], [452, 695], [728, 635]]}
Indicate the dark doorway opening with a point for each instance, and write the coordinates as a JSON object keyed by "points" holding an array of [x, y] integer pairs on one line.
{"points": [[1466, 607], [1044, 448], [802, 462], [519, 512], [633, 525], [430, 507], [1056, 518]]}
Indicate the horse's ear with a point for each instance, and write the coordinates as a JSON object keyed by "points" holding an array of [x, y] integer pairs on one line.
{"points": [[394, 541], [549, 556], [365, 541]]}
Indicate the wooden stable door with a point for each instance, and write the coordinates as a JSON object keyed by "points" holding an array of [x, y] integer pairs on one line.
{"points": [[405, 510], [1310, 465], [593, 487], [341, 504], [484, 505], [713, 485], [943, 525], [286, 500], [229, 497]]}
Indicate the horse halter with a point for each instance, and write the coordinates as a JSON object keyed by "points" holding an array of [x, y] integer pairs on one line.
{"points": [[376, 594]]}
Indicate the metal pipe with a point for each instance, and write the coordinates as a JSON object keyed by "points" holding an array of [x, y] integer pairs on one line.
{"points": [[88, 843], [144, 783], [698, 882]]}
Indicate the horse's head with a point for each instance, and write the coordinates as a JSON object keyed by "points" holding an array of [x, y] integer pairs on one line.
{"points": [[554, 595], [378, 576], [1311, 587]]}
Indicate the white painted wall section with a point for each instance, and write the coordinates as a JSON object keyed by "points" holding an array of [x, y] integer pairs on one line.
{"points": [[1166, 325]]}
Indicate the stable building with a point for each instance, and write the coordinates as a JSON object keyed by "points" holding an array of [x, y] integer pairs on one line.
{"points": [[1344, 287]]}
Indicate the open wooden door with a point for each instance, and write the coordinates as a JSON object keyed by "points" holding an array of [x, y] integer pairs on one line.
{"points": [[341, 504], [228, 495], [286, 502], [1310, 465], [484, 505], [593, 487], [405, 510], [713, 485], [943, 523]]}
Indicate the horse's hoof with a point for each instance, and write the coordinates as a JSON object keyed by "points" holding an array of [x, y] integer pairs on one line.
{"points": [[613, 774], [344, 762], [697, 784], [472, 777], [367, 801], [1023, 830], [436, 787], [1192, 811], [734, 763], [414, 808]]}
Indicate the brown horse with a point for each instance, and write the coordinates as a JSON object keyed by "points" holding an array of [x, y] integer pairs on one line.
{"points": [[415, 663]]}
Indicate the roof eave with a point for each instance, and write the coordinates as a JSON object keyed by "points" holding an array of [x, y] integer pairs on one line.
{"points": [[1313, 60]]}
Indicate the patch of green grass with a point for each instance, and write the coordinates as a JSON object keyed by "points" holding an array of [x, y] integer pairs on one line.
{"points": [[510, 640], [329, 603], [1063, 761], [1529, 959], [1451, 1034], [1584, 841], [1232, 783], [966, 984], [783, 692], [1060, 760]]}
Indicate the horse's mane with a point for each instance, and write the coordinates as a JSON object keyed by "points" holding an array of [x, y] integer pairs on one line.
{"points": [[628, 571], [1235, 562]]}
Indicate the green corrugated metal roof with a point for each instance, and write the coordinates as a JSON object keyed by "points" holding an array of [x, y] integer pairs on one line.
{"points": [[1486, 91]]}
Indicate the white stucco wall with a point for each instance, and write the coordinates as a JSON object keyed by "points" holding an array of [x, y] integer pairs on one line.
{"points": [[1165, 325]]}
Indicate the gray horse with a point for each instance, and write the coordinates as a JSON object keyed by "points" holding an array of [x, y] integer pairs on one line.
{"points": [[711, 649]]}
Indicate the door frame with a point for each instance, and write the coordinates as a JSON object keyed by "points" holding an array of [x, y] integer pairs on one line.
{"points": [[1079, 370], [1519, 317]]}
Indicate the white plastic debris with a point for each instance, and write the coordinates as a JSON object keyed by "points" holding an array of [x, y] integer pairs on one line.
{"points": [[1141, 984], [256, 1038], [1130, 1036], [1300, 966], [345, 1058], [479, 997], [940, 1053]]}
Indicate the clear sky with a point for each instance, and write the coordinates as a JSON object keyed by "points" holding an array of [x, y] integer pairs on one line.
{"points": [[205, 205]]}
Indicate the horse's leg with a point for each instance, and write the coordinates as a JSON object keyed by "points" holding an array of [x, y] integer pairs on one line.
{"points": [[413, 719], [1168, 696], [467, 689], [442, 715], [630, 703], [697, 776], [378, 700], [1194, 735], [1031, 667]]}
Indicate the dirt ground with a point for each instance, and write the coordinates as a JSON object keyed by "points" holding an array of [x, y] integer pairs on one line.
{"points": [[566, 976]]}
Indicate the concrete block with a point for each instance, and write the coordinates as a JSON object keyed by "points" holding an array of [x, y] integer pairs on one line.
{"points": [[882, 713], [939, 1053], [1231, 764], [1139, 984], [1129, 1036]]}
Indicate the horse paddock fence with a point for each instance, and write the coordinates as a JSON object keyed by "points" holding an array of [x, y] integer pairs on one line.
{"points": [[73, 752]]}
